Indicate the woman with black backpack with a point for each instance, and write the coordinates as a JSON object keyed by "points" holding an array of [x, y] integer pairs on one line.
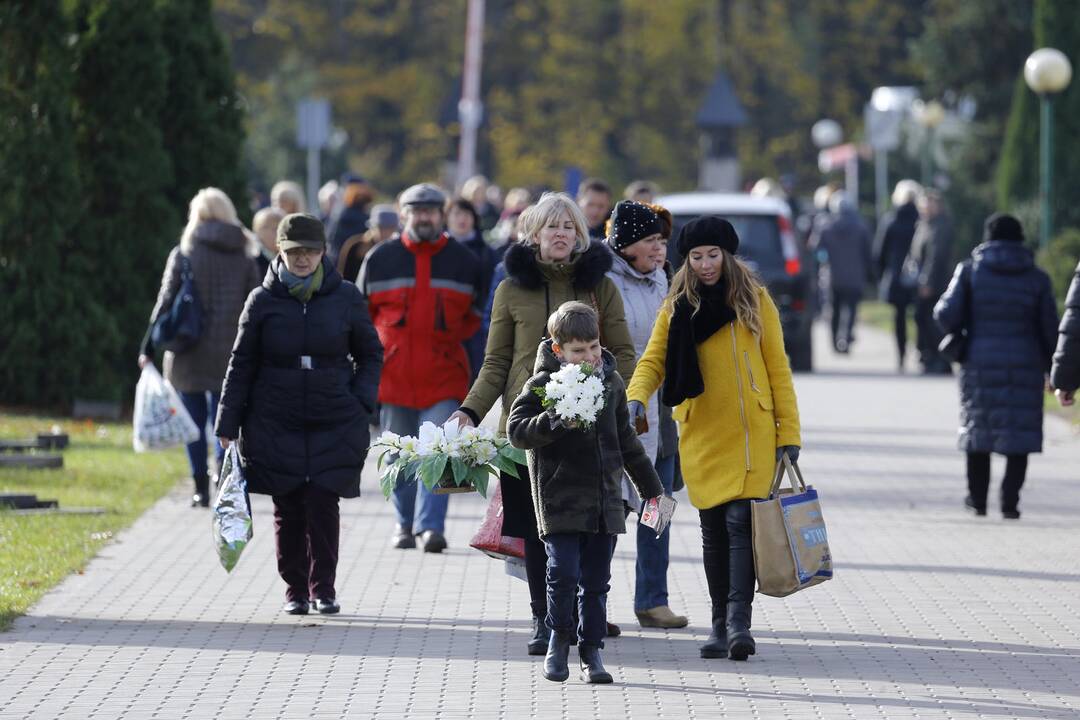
{"points": [[217, 255]]}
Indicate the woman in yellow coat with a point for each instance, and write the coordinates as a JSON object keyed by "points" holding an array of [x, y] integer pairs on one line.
{"points": [[718, 349]]}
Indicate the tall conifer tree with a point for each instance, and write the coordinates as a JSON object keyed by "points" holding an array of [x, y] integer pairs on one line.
{"points": [[201, 120], [51, 324], [128, 223]]}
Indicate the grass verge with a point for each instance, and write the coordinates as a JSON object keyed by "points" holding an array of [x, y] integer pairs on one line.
{"points": [[100, 470]]}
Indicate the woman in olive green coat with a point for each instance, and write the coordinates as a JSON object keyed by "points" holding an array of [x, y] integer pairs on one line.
{"points": [[553, 263]]}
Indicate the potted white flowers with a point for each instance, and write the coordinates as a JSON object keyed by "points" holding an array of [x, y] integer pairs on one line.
{"points": [[574, 395], [446, 459]]}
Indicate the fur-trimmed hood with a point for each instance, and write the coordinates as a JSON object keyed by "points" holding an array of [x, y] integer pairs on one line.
{"points": [[586, 269]]}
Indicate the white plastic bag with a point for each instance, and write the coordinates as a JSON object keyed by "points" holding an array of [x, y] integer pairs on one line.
{"points": [[231, 523], [161, 420]]}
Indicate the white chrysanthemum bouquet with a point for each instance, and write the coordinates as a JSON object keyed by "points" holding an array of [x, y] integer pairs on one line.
{"points": [[574, 395], [446, 459]]}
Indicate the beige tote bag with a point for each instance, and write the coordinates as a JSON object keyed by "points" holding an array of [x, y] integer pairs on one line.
{"points": [[791, 547]]}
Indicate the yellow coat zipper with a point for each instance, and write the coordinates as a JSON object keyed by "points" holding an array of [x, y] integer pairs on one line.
{"points": [[750, 371], [742, 406]]}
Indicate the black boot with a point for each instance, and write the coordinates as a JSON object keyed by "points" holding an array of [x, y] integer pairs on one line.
{"points": [[201, 498], [538, 644], [741, 589], [555, 667], [740, 642], [717, 646], [717, 559], [592, 668]]}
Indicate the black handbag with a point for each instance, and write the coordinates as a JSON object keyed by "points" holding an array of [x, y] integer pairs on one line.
{"points": [[954, 346], [178, 328]]}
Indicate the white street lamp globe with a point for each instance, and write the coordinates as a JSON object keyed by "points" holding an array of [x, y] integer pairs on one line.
{"points": [[1047, 70], [826, 133]]}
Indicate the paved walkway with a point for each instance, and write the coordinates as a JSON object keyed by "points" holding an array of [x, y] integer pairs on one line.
{"points": [[933, 613]]}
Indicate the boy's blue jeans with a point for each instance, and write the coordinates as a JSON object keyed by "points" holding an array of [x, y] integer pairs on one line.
{"points": [[431, 515], [650, 587], [578, 571]]}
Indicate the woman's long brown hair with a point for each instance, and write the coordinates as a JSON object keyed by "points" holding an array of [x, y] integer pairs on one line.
{"points": [[742, 290]]}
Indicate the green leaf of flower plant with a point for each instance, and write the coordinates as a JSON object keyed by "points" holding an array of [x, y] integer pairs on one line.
{"points": [[388, 480], [480, 479], [382, 458], [515, 454], [431, 470], [506, 465], [477, 474], [461, 471], [426, 473]]}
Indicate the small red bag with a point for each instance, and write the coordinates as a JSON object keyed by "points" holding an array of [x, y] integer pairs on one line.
{"points": [[489, 538]]}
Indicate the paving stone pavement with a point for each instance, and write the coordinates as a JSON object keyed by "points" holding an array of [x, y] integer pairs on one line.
{"points": [[932, 614]]}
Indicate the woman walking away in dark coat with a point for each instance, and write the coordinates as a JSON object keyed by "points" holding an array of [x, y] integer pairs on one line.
{"points": [[1065, 374], [1006, 307], [891, 247], [299, 395], [222, 259]]}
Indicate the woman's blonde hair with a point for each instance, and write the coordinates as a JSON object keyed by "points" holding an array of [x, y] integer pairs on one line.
{"points": [[548, 208], [743, 287], [289, 192], [213, 204]]}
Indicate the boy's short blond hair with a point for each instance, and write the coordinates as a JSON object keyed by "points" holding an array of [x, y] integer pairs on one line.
{"points": [[573, 321]]}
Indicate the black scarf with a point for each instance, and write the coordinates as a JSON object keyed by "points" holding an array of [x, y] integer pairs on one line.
{"points": [[688, 330]]}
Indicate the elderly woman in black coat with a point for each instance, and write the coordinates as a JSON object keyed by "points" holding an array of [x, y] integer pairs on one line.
{"points": [[1005, 308], [299, 394]]}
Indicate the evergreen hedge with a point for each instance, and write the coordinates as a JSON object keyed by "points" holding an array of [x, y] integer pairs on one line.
{"points": [[49, 328], [113, 113]]}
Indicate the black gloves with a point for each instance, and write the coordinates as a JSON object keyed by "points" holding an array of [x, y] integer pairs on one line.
{"points": [[791, 450]]}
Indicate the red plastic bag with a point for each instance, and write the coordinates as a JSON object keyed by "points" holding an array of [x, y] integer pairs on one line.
{"points": [[489, 538]]}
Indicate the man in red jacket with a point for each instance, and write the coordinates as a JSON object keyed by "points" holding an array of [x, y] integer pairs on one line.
{"points": [[422, 290]]}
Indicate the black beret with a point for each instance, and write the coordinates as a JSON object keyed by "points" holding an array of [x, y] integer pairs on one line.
{"points": [[301, 230], [1002, 226], [707, 230], [631, 221]]}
